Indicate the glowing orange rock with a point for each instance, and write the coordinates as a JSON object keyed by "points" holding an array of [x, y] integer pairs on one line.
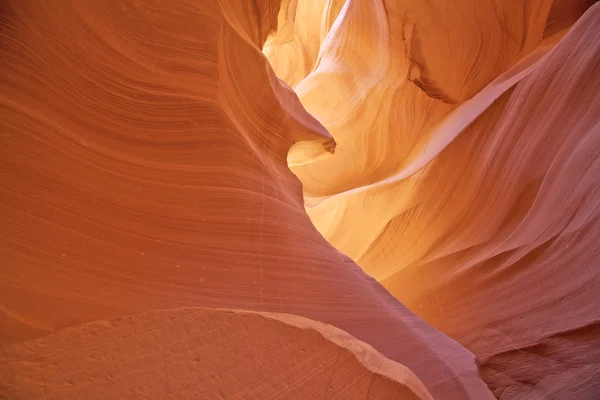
{"points": [[143, 159], [465, 177]]}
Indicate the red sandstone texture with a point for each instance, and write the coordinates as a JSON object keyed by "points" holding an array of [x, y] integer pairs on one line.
{"points": [[158, 161], [205, 353]]}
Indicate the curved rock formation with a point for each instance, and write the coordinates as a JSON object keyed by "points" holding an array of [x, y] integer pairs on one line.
{"points": [[149, 162], [195, 353], [143, 167], [466, 175]]}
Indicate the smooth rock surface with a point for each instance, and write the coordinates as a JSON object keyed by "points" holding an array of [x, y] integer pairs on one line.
{"points": [[158, 161], [143, 167], [466, 175]]}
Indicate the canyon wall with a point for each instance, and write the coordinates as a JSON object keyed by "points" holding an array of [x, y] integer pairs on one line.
{"points": [[466, 174], [143, 159], [295, 199]]}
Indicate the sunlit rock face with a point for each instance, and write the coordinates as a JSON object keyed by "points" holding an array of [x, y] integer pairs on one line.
{"points": [[146, 199], [467, 170], [155, 240]]}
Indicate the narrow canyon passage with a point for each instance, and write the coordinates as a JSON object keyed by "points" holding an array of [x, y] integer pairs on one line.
{"points": [[299, 199], [465, 177]]}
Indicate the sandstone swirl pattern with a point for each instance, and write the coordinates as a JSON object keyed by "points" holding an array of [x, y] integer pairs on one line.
{"points": [[467, 173], [143, 169]]}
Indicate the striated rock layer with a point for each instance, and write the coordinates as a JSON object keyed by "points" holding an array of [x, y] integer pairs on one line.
{"points": [[467, 172], [143, 167], [144, 153]]}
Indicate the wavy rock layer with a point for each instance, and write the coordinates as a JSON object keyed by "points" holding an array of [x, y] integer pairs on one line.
{"points": [[143, 167], [195, 353], [466, 174]]}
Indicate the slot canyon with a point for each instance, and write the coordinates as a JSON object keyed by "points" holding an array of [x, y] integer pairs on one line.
{"points": [[300, 199]]}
